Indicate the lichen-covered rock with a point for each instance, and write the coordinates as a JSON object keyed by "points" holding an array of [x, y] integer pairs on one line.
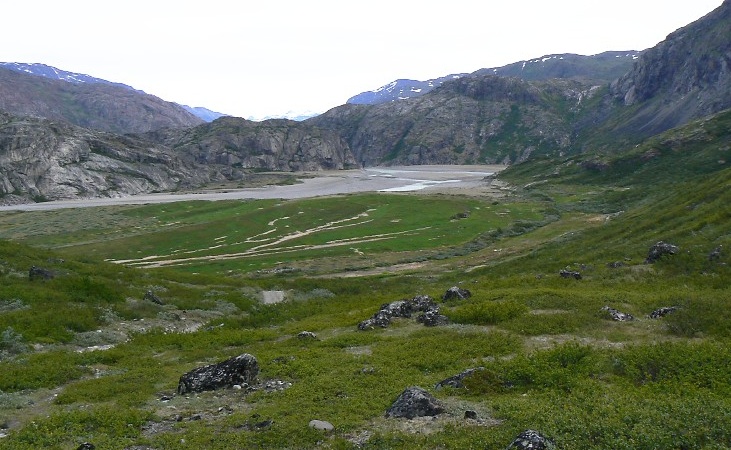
{"points": [[415, 402], [432, 318], [662, 312], [399, 308], [307, 335], [531, 440], [456, 293], [152, 297], [242, 369], [660, 249], [570, 274], [617, 315]]}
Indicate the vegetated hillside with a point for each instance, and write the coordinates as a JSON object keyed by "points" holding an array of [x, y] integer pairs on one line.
{"points": [[44, 160], [93, 352], [471, 120], [99, 106], [276, 144]]}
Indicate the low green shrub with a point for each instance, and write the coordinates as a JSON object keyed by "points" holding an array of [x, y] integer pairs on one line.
{"points": [[486, 312]]}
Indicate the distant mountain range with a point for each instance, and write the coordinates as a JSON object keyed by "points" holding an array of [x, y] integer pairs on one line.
{"points": [[54, 73], [603, 67]]}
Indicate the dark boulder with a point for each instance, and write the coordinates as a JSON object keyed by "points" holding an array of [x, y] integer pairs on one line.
{"points": [[379, 319], [570, 274], [39, 273], [432, 318], [662, 312], [456, 380], [456, 293], [617, 315], [152, 297], [531, 440], [86, 446], [660, 249], [715, 254], [242, 369], [415, 402]]}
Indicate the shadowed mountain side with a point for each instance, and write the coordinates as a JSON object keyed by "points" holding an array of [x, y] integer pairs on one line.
{"points": [[472, 120], [104, 107]]}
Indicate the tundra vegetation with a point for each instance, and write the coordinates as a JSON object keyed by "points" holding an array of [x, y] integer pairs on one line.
{"points": [[130, 298]]}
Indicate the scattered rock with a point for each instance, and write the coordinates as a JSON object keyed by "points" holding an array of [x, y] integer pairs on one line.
{"points": [[321, 425], [306, 335], [662, 312], [533, 440], [86, 446], [461, 215], [658, 250], [471, 415], [151, 297], [570, 274], [456, 380], [617, 315], [237, 370], [400, 308], [715, 254], [415, 402], [615, 264], [39, 273], [456, 293]]}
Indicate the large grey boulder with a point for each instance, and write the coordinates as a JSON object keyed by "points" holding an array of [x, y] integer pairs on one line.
{"points": [[242, 369], [415, 402]]}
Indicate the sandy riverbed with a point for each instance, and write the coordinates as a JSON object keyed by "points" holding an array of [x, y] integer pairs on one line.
{"points": [[314, 184]]}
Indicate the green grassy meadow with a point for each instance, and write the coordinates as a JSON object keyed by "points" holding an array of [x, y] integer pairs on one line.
{"points": [[84, 357]]}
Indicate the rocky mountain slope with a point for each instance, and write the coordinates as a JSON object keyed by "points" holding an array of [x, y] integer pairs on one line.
{"points": [[100, 106], [46, 160], [277, 144], [470, 120], [604, 67], [685, 77]]}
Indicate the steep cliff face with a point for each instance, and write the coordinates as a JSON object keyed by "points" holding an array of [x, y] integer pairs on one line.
{"points": [[237, 143], [687, 76], [471, 120], [104, 107], [45, 160]]}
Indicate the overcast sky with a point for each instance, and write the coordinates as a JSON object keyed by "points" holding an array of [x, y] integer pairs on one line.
{"points": [[265, 58]]}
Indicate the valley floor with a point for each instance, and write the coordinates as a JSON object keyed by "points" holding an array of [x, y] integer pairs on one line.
{"points": [[465, 179]]}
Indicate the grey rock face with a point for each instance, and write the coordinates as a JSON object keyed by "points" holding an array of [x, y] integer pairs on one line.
{"points": [[415, 402], [237, 370]]}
